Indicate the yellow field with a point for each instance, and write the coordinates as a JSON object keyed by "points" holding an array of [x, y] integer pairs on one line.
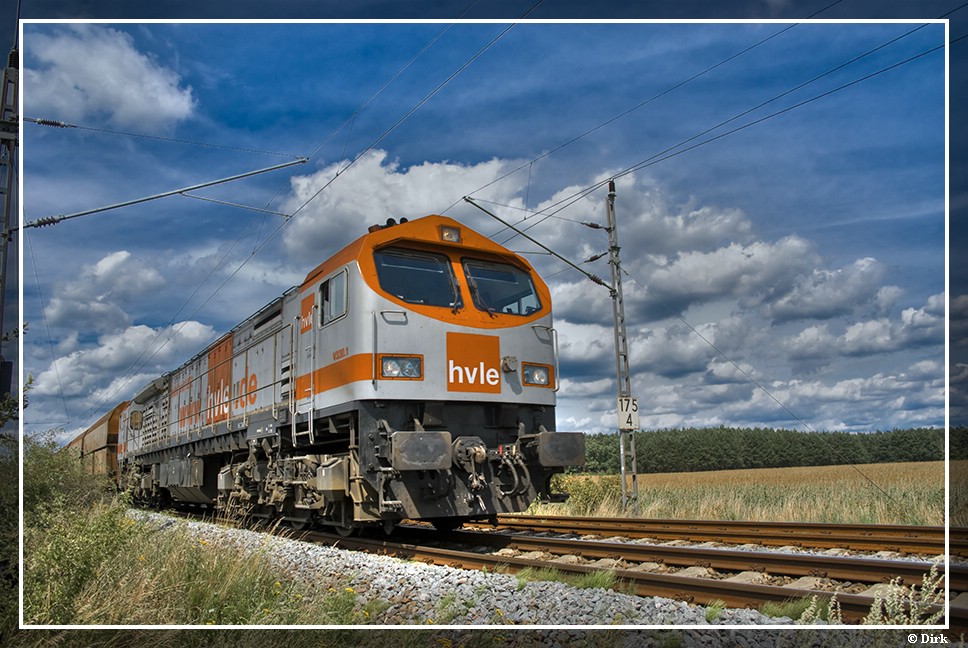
{"points": [[897, 493]]}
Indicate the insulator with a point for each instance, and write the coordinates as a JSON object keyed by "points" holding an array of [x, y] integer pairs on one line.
{"points": [[54, 123], [592, 225], [595, 258], [45, 221]]}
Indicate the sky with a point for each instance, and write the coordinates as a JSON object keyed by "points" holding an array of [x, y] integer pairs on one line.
{"points": [[780, 199]]}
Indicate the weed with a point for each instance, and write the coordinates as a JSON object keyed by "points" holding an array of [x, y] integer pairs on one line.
{"points": [[591, 580], [910, 606], [794, 608], [714, 609]]}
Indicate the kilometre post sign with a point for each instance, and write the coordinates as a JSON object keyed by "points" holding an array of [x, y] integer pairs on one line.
{"points": [[628, 413]]}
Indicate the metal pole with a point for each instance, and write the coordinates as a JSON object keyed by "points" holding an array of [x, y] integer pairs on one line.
{"points": [[622, 369], [8, 160]]}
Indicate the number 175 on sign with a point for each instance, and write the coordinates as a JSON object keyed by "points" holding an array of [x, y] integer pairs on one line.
{"points": [[628, 413]]}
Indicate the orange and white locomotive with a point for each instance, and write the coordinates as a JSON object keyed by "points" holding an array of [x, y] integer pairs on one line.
{"points": [[411, 375]]}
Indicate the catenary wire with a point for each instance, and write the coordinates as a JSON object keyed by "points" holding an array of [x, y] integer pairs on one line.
{"points": [[136, 366], [238, 149], [640, 105], [406, 116], [43, 310], [671, 151]]}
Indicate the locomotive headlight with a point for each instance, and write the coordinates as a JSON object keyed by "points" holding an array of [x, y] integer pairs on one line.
{"points": [[449, 234], [536, 375], [401, 367]]}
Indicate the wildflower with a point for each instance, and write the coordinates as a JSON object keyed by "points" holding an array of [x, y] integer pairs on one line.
{"points": [[350, 590], [141, 557], [203, 542]]}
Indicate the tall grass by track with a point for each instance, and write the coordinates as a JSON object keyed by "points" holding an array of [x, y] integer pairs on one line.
{"points": [[900, 493], [87, 562]]}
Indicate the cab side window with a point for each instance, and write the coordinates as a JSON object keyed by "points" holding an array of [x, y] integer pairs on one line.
{"points": [[332, 298]]}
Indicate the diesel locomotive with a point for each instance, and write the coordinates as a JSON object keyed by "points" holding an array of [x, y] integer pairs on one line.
{"points": [[412, 375]]}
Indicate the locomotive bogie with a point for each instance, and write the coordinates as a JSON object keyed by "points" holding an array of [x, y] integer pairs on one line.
{"points": [[411, 375]]}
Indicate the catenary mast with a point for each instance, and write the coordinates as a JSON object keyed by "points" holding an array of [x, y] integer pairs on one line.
{"points": [[627, 406]]}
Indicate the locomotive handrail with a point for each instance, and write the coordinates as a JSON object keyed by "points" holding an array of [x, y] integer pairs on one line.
{"points": [[376, 351], [553, 334]]}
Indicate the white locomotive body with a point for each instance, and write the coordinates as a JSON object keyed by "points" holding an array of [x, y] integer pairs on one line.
{"points": [[411, 375]]}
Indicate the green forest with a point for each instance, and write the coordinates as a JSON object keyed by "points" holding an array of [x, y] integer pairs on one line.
{"points": [[702, 449]]}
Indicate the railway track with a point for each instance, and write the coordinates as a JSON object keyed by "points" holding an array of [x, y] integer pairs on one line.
{"points": [[739, 589], [929, 541], [741, 578]]}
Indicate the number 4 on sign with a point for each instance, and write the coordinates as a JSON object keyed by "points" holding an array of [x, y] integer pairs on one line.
{"points": [[628, 413]]}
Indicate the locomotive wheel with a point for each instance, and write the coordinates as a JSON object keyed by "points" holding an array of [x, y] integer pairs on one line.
{"points": [[345, 531], [300, 523]]}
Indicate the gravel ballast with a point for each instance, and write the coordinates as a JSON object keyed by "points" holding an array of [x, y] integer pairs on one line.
{"points": [[418, 594]]}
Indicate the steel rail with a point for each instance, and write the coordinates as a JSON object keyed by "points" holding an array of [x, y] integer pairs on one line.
{"points": [[904, 539], [849, 568], [702, 591]]}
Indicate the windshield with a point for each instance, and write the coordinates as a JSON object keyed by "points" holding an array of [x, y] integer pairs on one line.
{"points": [[501, 288], [417, 278]]}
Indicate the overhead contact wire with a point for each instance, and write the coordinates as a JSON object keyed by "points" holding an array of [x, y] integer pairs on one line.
{"points": [[671, 152], [135, 366]]}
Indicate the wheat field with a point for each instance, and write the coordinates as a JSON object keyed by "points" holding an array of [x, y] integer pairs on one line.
{"points": [[896, 493]]}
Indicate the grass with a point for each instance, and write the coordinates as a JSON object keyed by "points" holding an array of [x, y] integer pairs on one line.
{"points": [[87, 562], [592, 580], [903, 493], [101, 567]]}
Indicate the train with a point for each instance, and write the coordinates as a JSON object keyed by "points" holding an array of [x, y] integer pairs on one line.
{"points": [[97, 446], [412, 375]]}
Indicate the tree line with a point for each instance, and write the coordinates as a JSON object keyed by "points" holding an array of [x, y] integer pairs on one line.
{"points": [[721, 448]]}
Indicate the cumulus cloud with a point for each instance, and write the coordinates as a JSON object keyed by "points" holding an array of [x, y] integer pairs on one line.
{"points": [[753, 272], [93, 300], [916, 327], [90, 72], [824, 294], [379, 188], [674, 351], [142, 349]]}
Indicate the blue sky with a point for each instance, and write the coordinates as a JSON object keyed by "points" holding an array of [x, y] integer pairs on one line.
{"points": [[808, 250]]}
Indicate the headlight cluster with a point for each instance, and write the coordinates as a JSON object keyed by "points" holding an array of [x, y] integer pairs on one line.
{"points": [[401, 367], [537, 375]]}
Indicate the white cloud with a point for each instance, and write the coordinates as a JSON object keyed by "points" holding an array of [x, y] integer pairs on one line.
{"points": [[756, 271], [94, 72], [140, 348], [376, 189], [916, 327], [95, 300], [824, 294]]}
